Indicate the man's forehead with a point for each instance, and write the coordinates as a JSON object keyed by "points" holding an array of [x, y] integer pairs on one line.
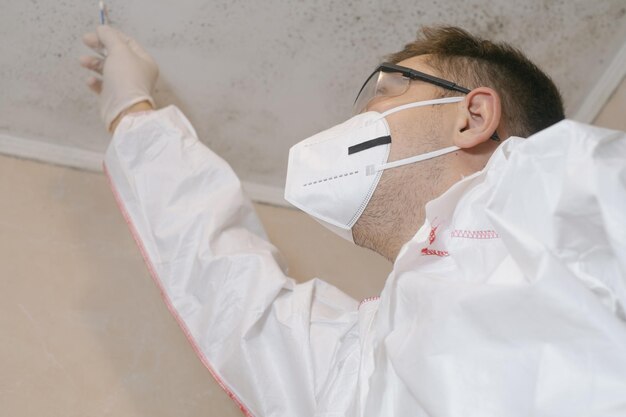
{"points": [[419, 63]]}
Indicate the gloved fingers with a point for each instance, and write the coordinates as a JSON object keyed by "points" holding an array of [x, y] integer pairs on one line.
{"points": [[95, 84], [93, 63], [92, 41]]}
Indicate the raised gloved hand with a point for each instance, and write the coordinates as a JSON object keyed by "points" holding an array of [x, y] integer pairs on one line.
{"points": [[128, 72]]}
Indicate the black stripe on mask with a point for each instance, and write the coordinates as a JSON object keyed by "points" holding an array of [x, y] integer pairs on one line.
{"points": [[383, 140]]}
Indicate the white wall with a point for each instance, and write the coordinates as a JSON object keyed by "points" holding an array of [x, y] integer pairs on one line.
{"points": [[83, 330]]}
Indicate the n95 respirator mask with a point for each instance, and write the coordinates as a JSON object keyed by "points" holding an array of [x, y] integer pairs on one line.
{"points": [[332, 175]]}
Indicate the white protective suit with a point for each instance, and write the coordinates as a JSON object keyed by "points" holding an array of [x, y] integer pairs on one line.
{"points": [[509, 301]]}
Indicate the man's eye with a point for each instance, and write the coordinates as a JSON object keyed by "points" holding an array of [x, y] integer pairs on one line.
{"points": [[381, 91]]}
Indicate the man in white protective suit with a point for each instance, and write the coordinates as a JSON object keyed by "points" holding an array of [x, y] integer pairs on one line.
{"points": [[505, 223]]}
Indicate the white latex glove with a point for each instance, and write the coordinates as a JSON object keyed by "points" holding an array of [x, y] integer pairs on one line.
{"points": [[128, 72]]}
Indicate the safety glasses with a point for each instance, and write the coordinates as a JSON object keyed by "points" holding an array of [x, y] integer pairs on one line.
{"points": [[391, 80]]}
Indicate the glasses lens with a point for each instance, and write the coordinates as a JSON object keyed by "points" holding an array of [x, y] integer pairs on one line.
{"points": [[381, 84]]}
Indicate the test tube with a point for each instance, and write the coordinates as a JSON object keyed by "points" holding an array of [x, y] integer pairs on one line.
{"points": [[103, 14]]}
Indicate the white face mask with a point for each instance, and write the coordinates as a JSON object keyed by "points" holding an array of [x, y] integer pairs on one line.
{"points": [[332, 175]]}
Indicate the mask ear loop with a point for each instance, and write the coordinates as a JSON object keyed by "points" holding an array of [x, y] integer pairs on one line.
{"points": [[371, 169], [444, 100]]}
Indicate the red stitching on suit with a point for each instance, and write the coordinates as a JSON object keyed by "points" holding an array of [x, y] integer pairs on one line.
{"points": [[435, 252], [367, 300], [168, 302], [431, 238], [475, 234], [432, 235]]}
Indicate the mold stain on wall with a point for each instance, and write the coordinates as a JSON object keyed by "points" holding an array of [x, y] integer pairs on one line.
{"points": [[261, 76]]}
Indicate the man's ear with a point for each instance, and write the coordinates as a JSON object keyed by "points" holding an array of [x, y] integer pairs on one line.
{"points": [[478, 117]]}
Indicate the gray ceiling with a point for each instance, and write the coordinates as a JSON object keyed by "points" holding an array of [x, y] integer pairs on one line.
{"points": [[254, 77]]}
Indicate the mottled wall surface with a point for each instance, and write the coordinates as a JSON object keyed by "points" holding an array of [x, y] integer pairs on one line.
{"points": [[257, 76]]}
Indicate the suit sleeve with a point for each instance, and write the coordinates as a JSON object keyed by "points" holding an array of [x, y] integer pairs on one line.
{"points": [[267, 340]]}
